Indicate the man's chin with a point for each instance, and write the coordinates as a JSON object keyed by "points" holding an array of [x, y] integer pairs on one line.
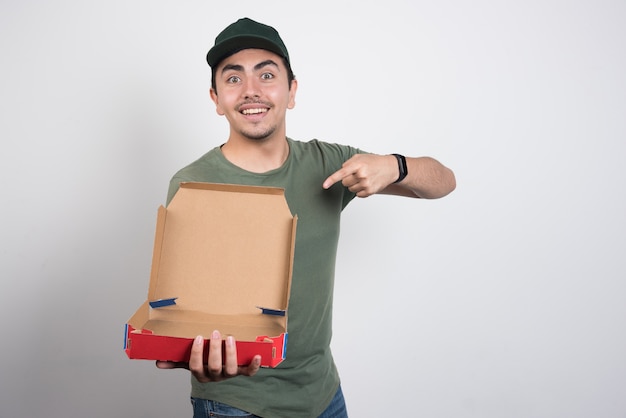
{"points": [[258, 136]]}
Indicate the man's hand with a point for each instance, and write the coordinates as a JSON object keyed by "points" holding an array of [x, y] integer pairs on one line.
{"points": [[365, 174], [215, 368]]}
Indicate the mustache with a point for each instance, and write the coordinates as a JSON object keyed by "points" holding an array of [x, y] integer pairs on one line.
{"points": [[254, 102]]}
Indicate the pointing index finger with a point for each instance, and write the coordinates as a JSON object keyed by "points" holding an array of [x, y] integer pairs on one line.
{"points": [[333, 178]]}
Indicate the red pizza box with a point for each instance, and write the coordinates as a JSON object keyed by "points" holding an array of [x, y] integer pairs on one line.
{"points": [[222, 260]]}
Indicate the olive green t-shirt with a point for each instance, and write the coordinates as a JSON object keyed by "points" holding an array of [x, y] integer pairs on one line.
{"points": [[304, 384]]}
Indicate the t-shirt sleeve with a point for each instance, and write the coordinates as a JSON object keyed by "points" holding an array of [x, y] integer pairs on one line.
{"points": [[173, 188]]}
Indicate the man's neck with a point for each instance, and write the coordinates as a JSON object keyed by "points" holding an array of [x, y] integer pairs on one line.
{"points": [[256, 156]]}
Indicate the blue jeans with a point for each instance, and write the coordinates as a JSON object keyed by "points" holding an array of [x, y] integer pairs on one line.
{"points": [[204, 408]]}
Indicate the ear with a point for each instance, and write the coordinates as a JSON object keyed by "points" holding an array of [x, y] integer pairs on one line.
{"points": [[215, 99], [292, 94]]}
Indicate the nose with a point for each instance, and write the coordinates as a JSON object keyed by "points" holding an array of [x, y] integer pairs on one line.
{"points": [[252, 88]]}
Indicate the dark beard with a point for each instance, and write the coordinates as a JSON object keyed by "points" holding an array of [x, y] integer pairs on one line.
{"points": [[259, 136]]}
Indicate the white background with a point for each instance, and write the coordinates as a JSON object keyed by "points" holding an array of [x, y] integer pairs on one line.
{"points": [[505, 299]]}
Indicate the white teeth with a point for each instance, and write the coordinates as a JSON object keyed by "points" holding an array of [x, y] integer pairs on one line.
{"points": [[253, 111]]}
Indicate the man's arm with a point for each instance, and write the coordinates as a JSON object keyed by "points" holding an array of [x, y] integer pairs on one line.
{"points": [[368, 174]]}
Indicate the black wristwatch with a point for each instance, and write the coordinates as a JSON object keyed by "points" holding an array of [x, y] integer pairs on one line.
{"points": [[401, 167]]}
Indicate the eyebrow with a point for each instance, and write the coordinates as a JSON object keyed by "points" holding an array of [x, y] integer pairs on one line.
{"points": [[238, 67]]}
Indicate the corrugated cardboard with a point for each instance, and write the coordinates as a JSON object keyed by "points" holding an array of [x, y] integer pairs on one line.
{"points": [[222, 260]]}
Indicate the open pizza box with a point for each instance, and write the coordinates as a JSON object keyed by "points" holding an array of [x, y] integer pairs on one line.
{"points": [[222, 260]]}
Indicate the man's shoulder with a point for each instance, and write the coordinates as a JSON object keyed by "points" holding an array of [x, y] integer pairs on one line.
{"points": [[323, 147], [206, 161]]}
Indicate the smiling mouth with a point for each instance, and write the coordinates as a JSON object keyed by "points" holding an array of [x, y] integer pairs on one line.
{"points": [[253, 111]]}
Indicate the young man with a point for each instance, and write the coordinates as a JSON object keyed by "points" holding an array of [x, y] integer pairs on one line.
{"points": [[253, 86]]}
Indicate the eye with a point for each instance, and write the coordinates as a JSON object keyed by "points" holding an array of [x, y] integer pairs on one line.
{"points": [[233, 79], [267, 76]]}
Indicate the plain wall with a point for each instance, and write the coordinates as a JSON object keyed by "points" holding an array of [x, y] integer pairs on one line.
{"points": [[504, 299]]}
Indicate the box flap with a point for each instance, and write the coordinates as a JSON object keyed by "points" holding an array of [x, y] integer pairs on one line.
{"points": [[223, 250]]}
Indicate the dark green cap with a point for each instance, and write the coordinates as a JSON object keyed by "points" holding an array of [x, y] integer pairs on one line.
{"points": [[244, 34]]}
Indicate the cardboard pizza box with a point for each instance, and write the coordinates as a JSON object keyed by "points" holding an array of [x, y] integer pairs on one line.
{"points": [[222, 260]]}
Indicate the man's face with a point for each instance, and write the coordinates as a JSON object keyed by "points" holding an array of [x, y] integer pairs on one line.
{"points": [[253, 93]]}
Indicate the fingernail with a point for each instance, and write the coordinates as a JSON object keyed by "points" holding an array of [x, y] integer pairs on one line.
{"points": [[230, 341], [198, 340], [216, 335]]}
